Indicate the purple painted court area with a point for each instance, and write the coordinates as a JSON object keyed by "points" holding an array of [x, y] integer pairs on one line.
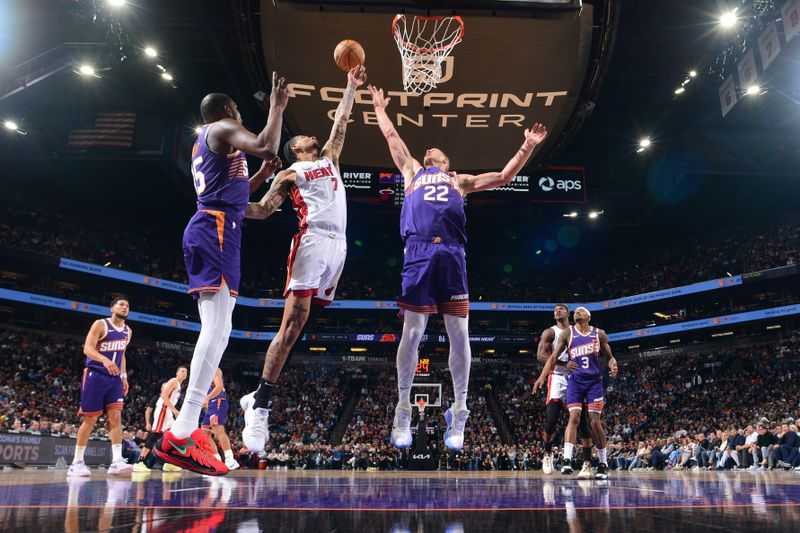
{"points": [[378, 491]]}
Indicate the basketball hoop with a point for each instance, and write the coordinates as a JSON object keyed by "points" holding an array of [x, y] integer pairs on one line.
{"points": [[421, 403], [424, 43]]}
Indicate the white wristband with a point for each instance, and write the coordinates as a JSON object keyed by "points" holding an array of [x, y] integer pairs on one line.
{"points": [[124, 375]]}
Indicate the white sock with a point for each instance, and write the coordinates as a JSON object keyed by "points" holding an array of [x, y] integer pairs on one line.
{"points": [[601, 456], [116, 452], [228, 455], [568, 449], [408, 353], [216, 311], [460, 357], [79, 454], [218, 457]]}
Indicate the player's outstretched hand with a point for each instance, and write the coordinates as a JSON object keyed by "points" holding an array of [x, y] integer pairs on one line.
{"points": [[280, 93], [378, 100], [357, 75], [538, 385], [271, 166], [112, 367], [536, 134], [613, 368]]}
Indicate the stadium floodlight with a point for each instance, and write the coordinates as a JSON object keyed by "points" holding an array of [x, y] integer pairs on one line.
{"points": [[151, 52], [593, 214], [680, 90], [729, 19], [116, 3], [167, 76], [198, 129], [753, 90], [10, 125], [86, 70], [692, 73]]}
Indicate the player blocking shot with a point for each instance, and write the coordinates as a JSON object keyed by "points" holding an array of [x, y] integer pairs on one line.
{"points": [[434, 276], [556, 399], [211, 251], [317, 253], [583, 344], [104, 387]]}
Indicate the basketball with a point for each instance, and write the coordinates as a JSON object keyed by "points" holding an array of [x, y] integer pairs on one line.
{"points": [[348, 55]]}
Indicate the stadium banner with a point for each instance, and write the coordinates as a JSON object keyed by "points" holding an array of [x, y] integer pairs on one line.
{"points": [[727, 95], [33, 449], [726, 320], [790, 14], [275, 303]]}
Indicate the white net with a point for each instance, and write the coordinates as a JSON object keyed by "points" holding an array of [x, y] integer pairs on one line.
{"points": [[424, 43]]}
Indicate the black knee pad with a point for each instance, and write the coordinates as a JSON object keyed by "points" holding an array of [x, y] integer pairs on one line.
{"points": [[552, 413], [584, 428]]}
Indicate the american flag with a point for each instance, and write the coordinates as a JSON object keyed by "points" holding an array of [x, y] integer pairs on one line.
{"points": [[112, 129]]}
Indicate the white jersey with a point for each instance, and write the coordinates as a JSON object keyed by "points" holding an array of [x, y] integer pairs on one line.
{"points": [[560, 370], [319, 197], [162, 416]]}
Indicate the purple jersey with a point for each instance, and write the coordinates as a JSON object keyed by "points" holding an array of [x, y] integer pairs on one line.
{"points": [[585, 351], [433, 209], [221, 181], [111, 345]]}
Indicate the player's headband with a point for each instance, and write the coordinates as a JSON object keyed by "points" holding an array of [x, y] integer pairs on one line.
{"points": [[584, 310]]}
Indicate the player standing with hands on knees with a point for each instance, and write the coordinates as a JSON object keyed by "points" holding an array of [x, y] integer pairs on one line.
{"points": [[212, 253], [434, 276], [583, 344]]}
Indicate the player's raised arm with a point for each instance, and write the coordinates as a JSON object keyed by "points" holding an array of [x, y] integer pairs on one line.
{"points": [[545, 347], [277, 193], [268, 168], [491, 180], [97, 330], [605, 349], [230, 131], [407, 165], [333, 148]]}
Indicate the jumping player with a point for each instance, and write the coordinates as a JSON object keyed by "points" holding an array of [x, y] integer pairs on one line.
{"points": [[434, 278], [583, 344], [216, 414], [211, 250], [104, 386], [556, 401], [317, 253]]}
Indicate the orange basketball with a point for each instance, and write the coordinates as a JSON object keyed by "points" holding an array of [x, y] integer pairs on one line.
{"points": [[348, 55]]}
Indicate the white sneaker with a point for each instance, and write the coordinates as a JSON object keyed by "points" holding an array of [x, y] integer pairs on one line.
{"points": [[586, 471], [231, 464], [120, 467], [255, 434], [456, 420], [401, 427], [78, 469], [547, 464]]}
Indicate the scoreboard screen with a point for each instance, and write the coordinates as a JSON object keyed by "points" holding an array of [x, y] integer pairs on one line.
{"points": [[551, 185], [424, 367]]}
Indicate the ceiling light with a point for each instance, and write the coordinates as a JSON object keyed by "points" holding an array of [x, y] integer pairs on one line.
{"points": [[358, 350], [86, 70], [753, 90], [117, 3], [680, 90], [198, 129], [167, 76], [645, 143], [692, 73], [728, 20], [593, 214], [10, 125], [150, 51]]}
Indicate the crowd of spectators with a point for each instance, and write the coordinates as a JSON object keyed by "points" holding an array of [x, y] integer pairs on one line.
{"points": [[144, 251]]}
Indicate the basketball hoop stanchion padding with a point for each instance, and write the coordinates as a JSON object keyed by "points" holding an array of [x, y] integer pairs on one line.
{"points": [[424, 43], [421, 455]]}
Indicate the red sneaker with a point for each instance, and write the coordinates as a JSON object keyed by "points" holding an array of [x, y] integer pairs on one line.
{"points": [[192, 453]]}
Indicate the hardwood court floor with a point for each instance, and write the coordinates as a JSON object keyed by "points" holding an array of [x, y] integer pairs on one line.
{"points": [[44, 500]]}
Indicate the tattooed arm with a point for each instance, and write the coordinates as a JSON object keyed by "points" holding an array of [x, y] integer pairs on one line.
{"points": [[278, 191], [333, 148]]}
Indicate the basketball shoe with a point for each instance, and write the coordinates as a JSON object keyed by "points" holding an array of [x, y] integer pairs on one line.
{"points": [[141, 467], [255, 434], [586, 471], [193, 453], [78, 469], [401, 427], [456, 420], [602, 471], [547, 464], [120, 467], [566, 467]]}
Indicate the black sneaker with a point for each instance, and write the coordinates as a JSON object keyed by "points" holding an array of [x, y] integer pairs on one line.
{"points": [[602, 471], [566, 467]]}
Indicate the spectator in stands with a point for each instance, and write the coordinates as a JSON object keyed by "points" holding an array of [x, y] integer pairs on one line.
{"points": [[702, 451], [789, 443], [764, 449]]}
